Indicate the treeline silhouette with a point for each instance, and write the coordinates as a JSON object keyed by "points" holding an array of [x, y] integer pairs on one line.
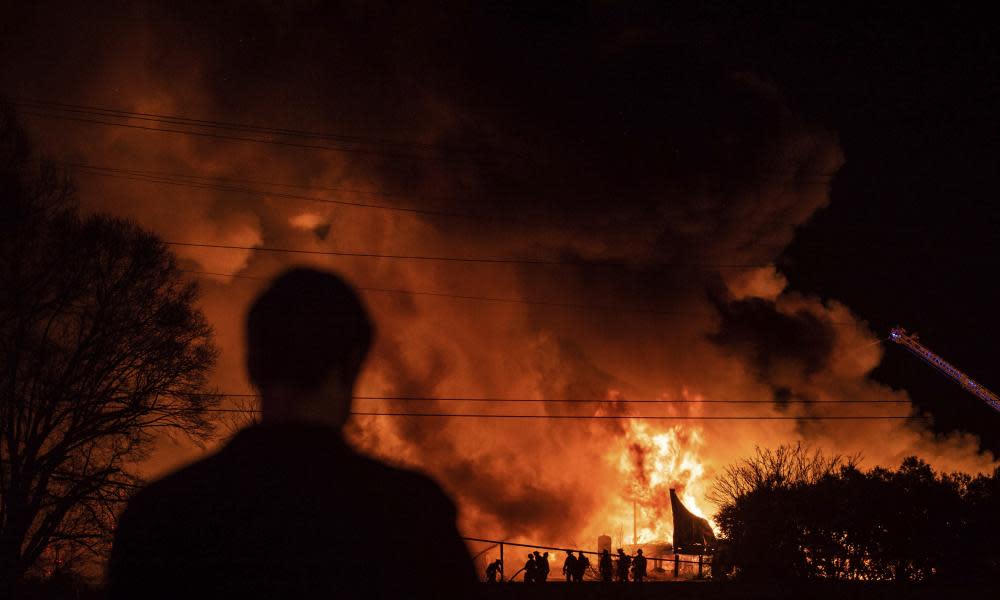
{"points": [[792, 513], [103, 349]]}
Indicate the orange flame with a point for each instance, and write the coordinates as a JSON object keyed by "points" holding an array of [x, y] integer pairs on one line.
{"points": [[651, 460]]}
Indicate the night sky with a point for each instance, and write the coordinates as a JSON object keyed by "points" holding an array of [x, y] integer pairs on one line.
{"points": [[910, 237], [850, 157]]}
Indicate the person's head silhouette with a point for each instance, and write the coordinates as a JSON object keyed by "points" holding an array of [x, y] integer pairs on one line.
{"points": [[308, 334]]}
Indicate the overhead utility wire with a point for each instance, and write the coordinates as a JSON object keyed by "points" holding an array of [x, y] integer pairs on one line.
{"points": [[240, 186], [206, 183], [326, 188], [228, 137], [602, 307], [50, 105], [472, 259], [54, 108], [232, 126], [423, 151], [642, 417], [579, 400], [300, 186], [610, 417], [586, 401], [528, 301]]}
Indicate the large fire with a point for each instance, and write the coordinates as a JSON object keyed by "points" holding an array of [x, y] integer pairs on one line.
{"points": [[466, 329], [651, 461]]}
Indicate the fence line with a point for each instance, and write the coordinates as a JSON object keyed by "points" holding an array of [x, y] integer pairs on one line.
{"points": [[501, 543], [559, 548]]}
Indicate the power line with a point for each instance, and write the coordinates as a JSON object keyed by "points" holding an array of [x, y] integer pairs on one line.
{"points": [[155, 175], [198, 182], [545, 303], [471, 259], [570, 305], [233, 275], [206, 183], [469, 152], [227, 137], [172, 179], [235, 185], [229, 125], [44, 111], [610, 417], [587, 400], [339, 189], [642, 417]]}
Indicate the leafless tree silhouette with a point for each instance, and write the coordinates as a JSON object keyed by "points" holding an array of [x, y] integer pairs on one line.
{"points": [[101, 349], [780, 467], [243, 413]]}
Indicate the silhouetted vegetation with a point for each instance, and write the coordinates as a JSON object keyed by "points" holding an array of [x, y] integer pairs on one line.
{"points": [[101, 348], [791, 513]]}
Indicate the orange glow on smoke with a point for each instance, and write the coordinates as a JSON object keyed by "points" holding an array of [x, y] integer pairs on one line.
{"points": [[532, 480]]}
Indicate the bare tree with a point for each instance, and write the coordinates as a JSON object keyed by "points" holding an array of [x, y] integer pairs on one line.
{"points": [[780, 467], [101, 348], [245, 411]]}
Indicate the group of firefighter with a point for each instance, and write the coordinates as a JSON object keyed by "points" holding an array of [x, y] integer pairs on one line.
{"points": [[536, 569]]}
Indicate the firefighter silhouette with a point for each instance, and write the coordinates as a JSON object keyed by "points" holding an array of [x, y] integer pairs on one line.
{"points": [[605, 567], [569, 565], [639, 567], [582, 564], [624, 562], [530, 569], [492, 570], [542, 566]]}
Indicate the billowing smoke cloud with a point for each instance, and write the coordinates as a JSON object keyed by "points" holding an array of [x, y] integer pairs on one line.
{"points": [[671, 183]]}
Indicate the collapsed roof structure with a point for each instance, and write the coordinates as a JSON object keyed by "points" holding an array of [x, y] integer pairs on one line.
{"points": [[692, 534]]}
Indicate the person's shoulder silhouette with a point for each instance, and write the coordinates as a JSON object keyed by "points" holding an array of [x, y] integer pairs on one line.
{"points": [[287, 509]]}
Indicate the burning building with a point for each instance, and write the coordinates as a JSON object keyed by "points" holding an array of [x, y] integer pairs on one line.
{"points": [[692, 534]]}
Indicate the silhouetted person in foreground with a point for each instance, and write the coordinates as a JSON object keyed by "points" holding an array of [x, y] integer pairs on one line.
{"points": [[492, 570], [531, 569], [623, 566], [582, 564], [605, 567], [638, 567], [286, 509], [569, 565]]}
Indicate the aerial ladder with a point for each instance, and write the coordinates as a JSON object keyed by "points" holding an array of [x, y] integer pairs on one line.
{"points": [[910, 342]]}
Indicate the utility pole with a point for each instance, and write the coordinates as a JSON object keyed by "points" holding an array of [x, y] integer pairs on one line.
{"points": [[635, 537]]}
